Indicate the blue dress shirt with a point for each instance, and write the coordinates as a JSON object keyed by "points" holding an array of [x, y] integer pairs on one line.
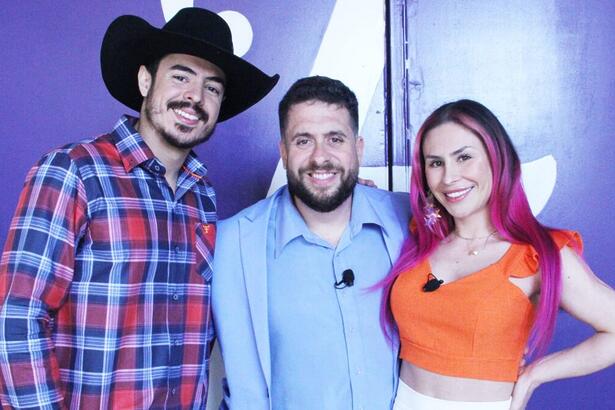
{"points": [[327, 348]]}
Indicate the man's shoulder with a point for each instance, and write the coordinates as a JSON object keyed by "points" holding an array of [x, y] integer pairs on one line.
{"points": [[396, 200], [383, 193], [400, 199], [101, 145], [70, 155], [86, 148], [250, 223], [253, 212]]}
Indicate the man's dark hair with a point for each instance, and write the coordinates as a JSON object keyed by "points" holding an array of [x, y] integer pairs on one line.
{"points": [[323, 89]]}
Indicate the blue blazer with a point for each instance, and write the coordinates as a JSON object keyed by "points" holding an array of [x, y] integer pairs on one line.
{"points": [[239, 292]]}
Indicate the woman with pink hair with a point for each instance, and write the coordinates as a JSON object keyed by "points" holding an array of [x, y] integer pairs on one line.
{"points": [[477, 287]]}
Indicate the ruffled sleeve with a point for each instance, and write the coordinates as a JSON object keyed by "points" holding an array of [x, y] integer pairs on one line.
{"points": [[527, 263]]}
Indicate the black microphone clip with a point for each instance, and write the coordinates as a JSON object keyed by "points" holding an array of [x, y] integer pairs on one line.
{"points": [[346, 281], [432, 283]]}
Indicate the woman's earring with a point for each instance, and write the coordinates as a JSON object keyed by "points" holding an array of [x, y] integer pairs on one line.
{"points": [[431, 212]]}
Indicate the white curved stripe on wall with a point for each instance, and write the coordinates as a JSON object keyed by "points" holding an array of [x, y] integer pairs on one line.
{"points": [[171, 7], [352, 51], [241, 31], [539, 179]]}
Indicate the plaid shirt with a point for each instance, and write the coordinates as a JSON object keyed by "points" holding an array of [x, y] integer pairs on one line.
{"points": [[105, 281]]}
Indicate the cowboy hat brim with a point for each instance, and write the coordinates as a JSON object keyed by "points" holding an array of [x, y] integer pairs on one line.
{"points": [[131, 42]]}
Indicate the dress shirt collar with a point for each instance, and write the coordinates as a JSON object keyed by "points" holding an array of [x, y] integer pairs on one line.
{"points": [[134, 151], [290, 224]]}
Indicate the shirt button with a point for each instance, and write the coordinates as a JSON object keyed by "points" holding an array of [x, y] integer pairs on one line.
{"points": [[359, 372], [176, 249], [175, 296], [173, 391], [157, 167], [176, 342]]}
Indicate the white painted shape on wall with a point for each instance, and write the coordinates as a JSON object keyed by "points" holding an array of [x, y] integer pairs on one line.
{"points": [[171, 7], [241, 30], [278, 179], [539, 178], [352, 48]]}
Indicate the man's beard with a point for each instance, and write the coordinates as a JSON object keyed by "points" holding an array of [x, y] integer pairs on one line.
{"points": [[317, 201], [172, 139]]}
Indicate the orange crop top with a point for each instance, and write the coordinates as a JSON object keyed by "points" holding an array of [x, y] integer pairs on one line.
{"points": [[476, 326]]}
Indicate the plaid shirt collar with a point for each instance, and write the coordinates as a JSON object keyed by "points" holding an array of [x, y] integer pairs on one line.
{"points": [[134, 151]]}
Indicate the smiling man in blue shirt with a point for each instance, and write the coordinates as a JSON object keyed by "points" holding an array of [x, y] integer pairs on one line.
{"points": [[297, 324]]}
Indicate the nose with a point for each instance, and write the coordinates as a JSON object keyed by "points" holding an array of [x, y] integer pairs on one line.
{"points": [[194, 94], [451, 173], [319, 152]]}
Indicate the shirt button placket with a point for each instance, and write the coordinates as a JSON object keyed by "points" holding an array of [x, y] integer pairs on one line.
{"points": [[174, 294], [350, 319]]}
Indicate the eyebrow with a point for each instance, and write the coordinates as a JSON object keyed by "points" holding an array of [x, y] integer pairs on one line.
{"points": [[456, 152], [184, 68], [189, 70], [460, 150], [300, 135], [328, 134], [336, 134]]}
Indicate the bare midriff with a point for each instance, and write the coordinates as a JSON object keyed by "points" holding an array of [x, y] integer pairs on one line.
{"points": [[453, 388]]}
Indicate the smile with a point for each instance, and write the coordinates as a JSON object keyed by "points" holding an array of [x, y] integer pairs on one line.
{"points": [[456, 196], [322, 175], [322, 178], [187, 116]]}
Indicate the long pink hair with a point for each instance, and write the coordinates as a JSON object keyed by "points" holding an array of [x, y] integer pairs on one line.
{"points": [[509, 209]]}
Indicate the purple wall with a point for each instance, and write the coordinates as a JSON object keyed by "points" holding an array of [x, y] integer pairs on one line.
{"points": [[546, 69]]}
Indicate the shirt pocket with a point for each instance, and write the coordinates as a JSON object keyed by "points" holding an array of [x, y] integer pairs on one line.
{"points": [[205, 240]]}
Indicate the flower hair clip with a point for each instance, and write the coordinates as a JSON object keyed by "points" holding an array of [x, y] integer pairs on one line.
{"points": [[431, 213]]}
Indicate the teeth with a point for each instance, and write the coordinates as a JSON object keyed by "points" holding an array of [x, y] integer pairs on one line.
{"points": [[458, 193], [186, 115], [322, 175]]}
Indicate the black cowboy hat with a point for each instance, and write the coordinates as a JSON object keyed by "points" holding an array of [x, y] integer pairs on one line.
{"points": [[131, 42]]}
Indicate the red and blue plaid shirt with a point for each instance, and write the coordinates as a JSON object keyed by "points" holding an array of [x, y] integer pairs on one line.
{"points": [[105, 281]]}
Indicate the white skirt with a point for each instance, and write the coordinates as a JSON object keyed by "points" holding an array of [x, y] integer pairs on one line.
{"points": [[408, 399]]}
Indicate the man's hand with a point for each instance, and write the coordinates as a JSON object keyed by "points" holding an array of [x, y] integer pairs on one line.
{"points": [[367, 182]]}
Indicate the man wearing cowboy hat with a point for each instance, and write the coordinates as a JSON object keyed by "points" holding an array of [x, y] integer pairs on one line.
{"points": [[105, 277]]}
